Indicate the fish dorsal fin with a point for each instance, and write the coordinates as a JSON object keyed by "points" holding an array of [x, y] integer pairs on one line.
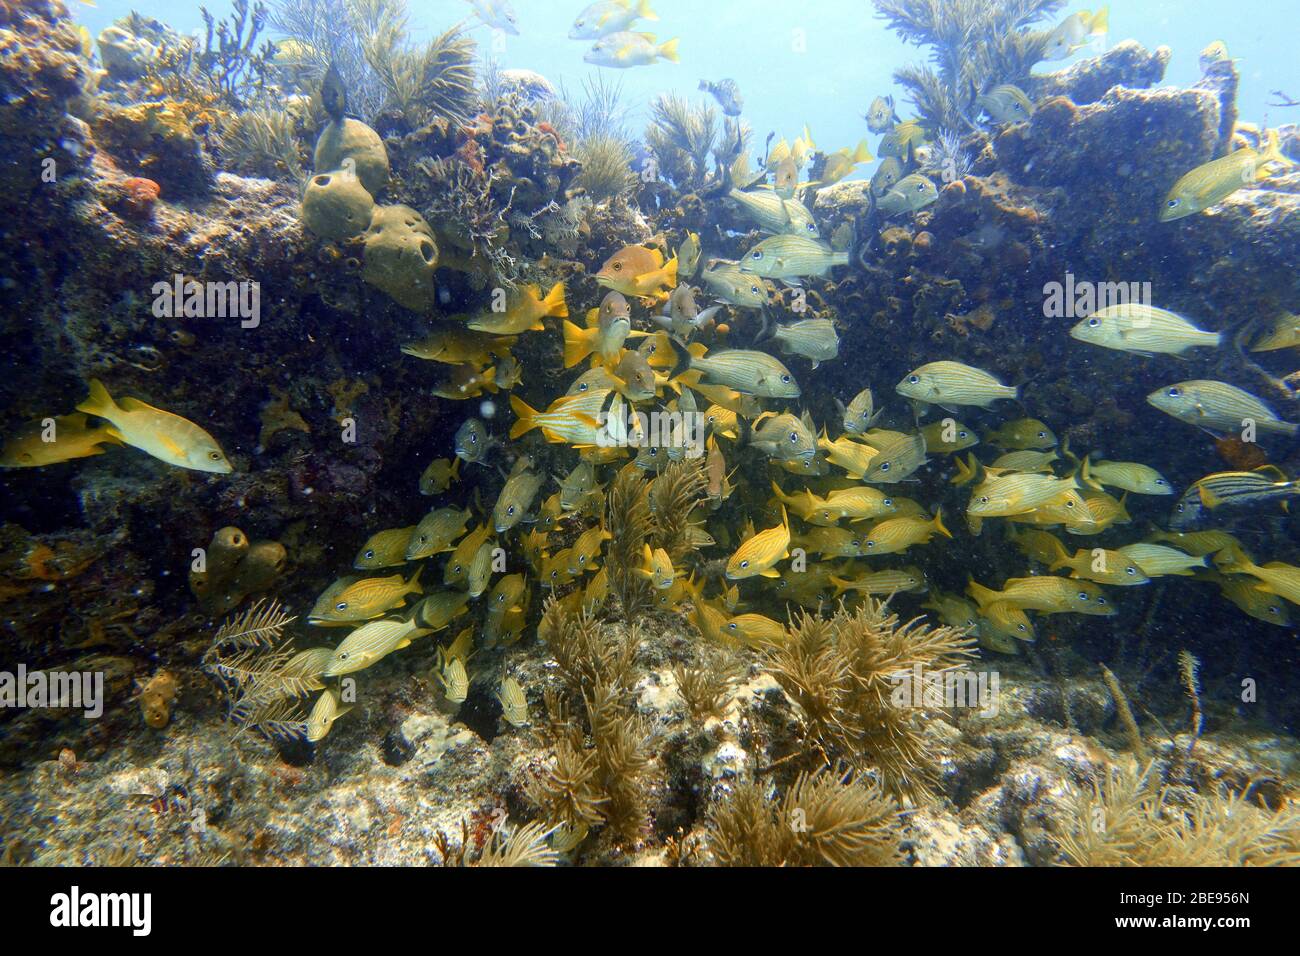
{"points": [[1273, 470]]}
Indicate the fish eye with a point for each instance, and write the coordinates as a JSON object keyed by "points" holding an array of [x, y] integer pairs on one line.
{"points": [[341, 606], [984, 499], [473, 439], [1175, 391], [215, 455], [731, 625], [1274, 609], [369, 554], [1173, 203], [1042, 434], [618, 266], [1130, 571], [510, 510], [961, 434], [913, 379], [812, 227], [343, 656], [1020, 627], [756, 255], [1093, 323], [1101, 600], [744, 564], [1161, 481], [754, 289], [870, 544], [884, 466], [1083, 595], [794, 436], [785, 379], [889, 502]]}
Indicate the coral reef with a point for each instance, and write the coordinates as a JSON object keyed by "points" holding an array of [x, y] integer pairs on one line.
{"points": [[654, 737]]}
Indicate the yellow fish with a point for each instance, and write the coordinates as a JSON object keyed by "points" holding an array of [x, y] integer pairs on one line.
{"points": [[455, 345], [586, 550], [349, 600], [435, 532], [1284, 333], [1101, 566], [952, 383], [570, 418], [882, 582], [754, 630], [1274, 577], [438, 476], [842, 162], [1209, 184], [657, 568], [1156, 560], [636, 270], [1125, 475], [167, 437], [64, 438], [948, 436], [1023, 433], [465, 381], [324, 712], [688, 255], [384, 549], [514, 705], [438, 610], [463, 555], [759, 554], [526, 313], [613, 327], [371, 643], [898, 534]]}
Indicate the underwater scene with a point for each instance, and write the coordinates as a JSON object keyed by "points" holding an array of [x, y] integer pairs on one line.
{"points": [[649, 433]]}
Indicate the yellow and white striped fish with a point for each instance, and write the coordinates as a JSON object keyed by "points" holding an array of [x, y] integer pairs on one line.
{"points": [[1144, 330], [952, 383], [1157, 561], [348, 600], [324, 712], [514, 705], [371, 643], [759, 554], [1125, 475], [1218, 406]]}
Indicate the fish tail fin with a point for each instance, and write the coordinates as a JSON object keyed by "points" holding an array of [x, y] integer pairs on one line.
{"points": [[554, 302], [1100, 21], [1272, 153], [683, 358], [645, 13], [938, 523], [527, 417], [577, 343], [863, 153], [1084, 477], [413, 585], [670, 270], [979, 592], [841, 585], [669, 51], [98, 402]]}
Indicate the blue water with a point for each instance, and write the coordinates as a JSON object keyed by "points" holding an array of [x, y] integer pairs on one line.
{"points": [[848, 58]]}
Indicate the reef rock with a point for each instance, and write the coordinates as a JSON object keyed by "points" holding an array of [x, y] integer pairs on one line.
{"points": [[1126, 64]]}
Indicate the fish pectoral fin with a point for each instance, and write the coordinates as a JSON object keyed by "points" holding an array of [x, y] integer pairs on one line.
{"points": [[172, 446]]}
